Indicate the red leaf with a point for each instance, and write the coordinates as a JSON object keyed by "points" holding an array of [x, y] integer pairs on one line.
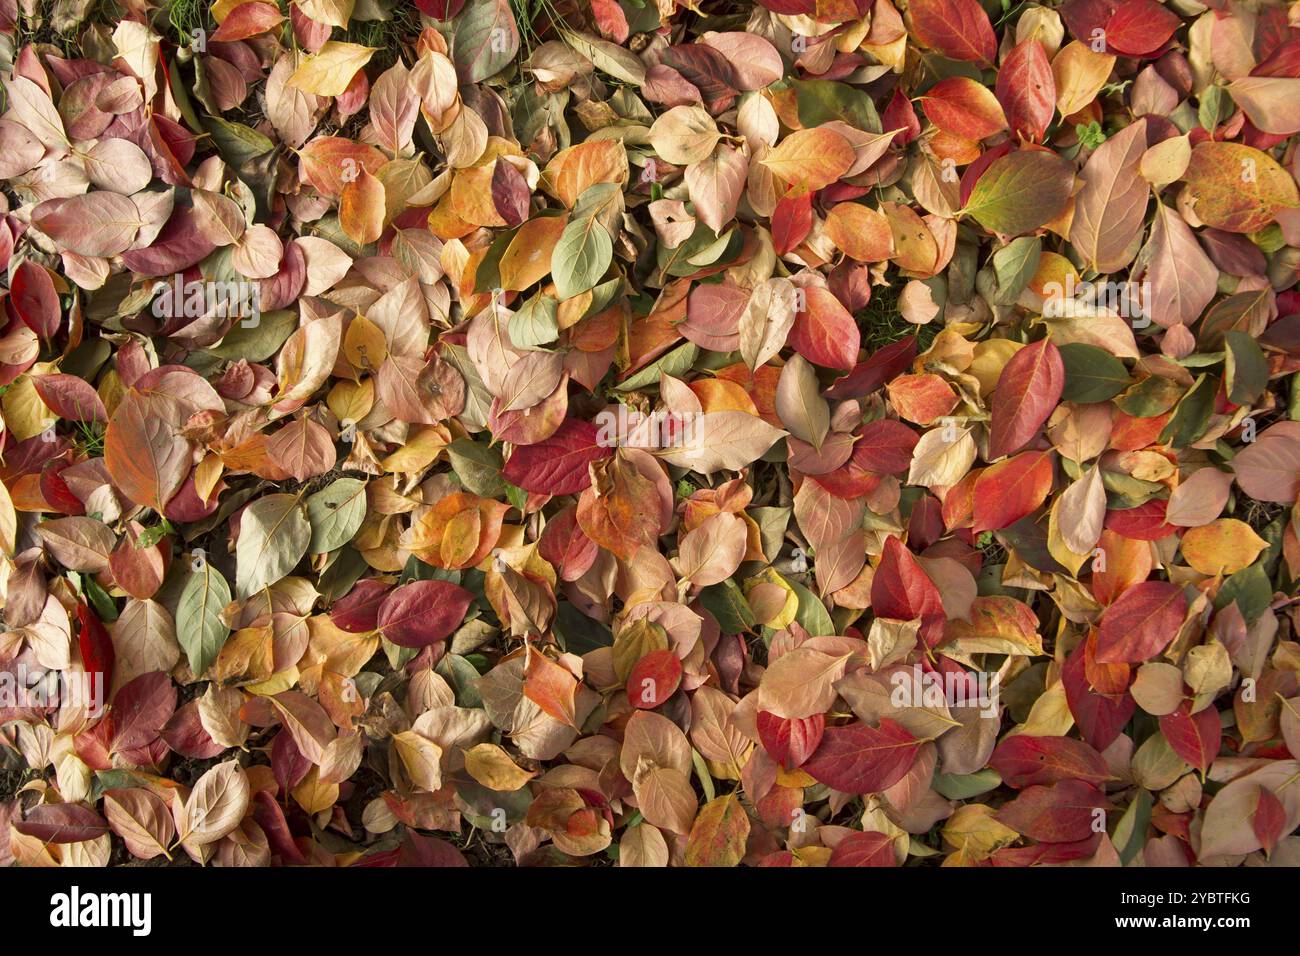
{"points": [[566, 546], [1141, 623], [1024, 761], [180, 245], [1047, 854], [653, 679], [864, 849], [901, 590], [610, 20], [862, 759], [1082, 17], [551, 687], [710, 72], [1146, 522], [70, 397], [34, 299], [1269, 819], [247, 20], [825, 333], [883, 365], [141, 708], [510, 193], [62, 823], [849, 481], [185, 734], [790, 741], [959, 29], [96, 646], [440, 9], [1027, 90], [1140, 27], [964, 107], [55, 490], [1027, 392], [1194, 737], [423, 612], [901, 115], [1061, 813], [885, 446], [1100, 717], [792, 8], [558, 466], [791, 222], [271, 819], [359, 611], [1011, 489], [426, 851]]}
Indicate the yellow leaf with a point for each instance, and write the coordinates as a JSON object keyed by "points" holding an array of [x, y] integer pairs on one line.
{"points": [[312, 795], [420, 450], [572, 170], [364, 345], [1222, 547], [973, 829], [528, 257], [422, 759], [1080, 73], [206, 475], [491, 766], [351, 401], [329, 72], [8, 522], [26, 416], [336, 13], [810, 158]]}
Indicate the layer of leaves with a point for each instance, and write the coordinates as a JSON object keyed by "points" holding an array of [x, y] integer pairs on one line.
{"points": [[776, 433]]}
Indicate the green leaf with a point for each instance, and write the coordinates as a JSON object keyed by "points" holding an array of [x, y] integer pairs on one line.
{"points": [[821, 101], [578, 633], [1131, 831], [151, 536], [581, 257], [1150, 397], [1021, 191], [702, 772], [1250, 588], [1015, 264], [1192, 415], [1090, 135], [105, 606], [726, 603], [199, 627], [463, 678], [964, 786], [257, 342], [1246, 374], [1092, 374], [675, 363], [484, 38], [478, 466], [236, 142], [1214, 106], [516, 496], [535, 324], [335, 513], [273, 537], [812, 613]]}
